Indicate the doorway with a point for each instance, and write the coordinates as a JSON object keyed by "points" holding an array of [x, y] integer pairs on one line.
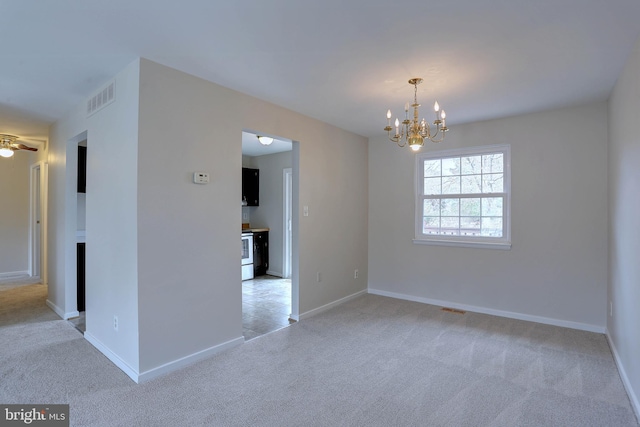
{"points": [[268, 298]]}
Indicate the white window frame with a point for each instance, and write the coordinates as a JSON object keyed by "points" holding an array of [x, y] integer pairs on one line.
{"points": [[503, 242]]}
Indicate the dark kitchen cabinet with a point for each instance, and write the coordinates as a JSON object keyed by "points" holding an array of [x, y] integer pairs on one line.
{"points": [[82, 169], [260, 253], [80, 276], [251, 186]]}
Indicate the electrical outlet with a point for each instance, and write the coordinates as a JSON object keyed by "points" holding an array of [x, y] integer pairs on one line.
{"points": [[610, 308], [245, 215], [115, 323], [318, 277], [355, 273]]}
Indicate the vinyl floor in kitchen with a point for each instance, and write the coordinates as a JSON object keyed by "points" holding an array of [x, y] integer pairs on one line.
{"points": [[266, 305]]}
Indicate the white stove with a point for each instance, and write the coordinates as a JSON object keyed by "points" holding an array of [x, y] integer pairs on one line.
{"points": [[247, 256]]}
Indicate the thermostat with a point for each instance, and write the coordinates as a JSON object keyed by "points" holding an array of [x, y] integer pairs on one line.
{"points": [[200, 178]]}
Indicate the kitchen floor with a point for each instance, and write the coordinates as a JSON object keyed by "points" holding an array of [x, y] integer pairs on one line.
{"points": [[266, 305]]}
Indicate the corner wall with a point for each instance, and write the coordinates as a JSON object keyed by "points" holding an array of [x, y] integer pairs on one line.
{"points": [[624, 225], [556, 269]]}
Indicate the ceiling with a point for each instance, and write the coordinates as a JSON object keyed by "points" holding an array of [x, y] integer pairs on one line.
{"points": [[342, 62]]}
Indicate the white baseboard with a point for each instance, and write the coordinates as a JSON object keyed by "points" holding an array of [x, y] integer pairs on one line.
{"points": [[160, 370], [60, 312], [633, 398], [188, 360], [494, 312], [274, 273], [326, 307], [114, 358], [15, 275]]}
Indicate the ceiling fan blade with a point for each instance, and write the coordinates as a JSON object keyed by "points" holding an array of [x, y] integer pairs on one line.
{"points": [[24, 147]]}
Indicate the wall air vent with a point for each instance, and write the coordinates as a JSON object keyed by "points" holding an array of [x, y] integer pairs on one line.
{"points": [[103, 98]]}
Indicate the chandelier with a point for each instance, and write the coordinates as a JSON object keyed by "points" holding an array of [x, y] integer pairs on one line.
{"points": [[414, 131]]}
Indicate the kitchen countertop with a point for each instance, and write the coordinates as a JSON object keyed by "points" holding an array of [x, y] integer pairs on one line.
{"points": [[254, 230]]}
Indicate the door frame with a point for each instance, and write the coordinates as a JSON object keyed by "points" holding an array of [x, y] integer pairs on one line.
{"points": [[37, 219], [287, 226]]}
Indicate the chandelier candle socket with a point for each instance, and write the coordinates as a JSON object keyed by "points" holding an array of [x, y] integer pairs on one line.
{"points": [[413, 132]]}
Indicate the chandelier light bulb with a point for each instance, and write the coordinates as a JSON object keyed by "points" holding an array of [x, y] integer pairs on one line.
{"points": [[436, 107], [388, 114], [443, 115], [415, 147], [397, 122], [406, 107]]}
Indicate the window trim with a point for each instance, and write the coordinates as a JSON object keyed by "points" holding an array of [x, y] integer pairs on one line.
{"points": [[503, 242]]}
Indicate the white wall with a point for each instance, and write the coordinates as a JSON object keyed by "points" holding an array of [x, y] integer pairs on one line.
{"points": [[111, 251], [62, 159], [111, 281], [624, 224], [270, 213], [14, 213], [556, 270]]}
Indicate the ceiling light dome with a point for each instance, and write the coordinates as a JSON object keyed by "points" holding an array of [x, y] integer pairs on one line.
{"points": [[6, 152], [265, 140]]}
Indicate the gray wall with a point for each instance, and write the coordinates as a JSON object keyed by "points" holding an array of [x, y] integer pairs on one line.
{"points": [[171, 269], [624, 224], [270, 213], [556, 270], [14, 213]]}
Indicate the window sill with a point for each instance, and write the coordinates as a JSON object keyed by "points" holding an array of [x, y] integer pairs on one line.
{"points": [[504, 246]]}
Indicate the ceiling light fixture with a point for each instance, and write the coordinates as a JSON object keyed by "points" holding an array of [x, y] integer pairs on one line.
{"points": [[414, 132], [265, 140]]}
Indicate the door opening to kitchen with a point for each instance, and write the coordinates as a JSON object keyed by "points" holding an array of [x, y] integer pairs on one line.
{"points": [[267, 290]]}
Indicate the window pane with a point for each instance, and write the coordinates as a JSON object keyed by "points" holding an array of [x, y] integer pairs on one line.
{"points": [[464, 195], [492, 163], [432, 186], [493, 183], [431, 207], [450, 207], [491, 226], [470, 226], [492, 206], [431, 225], [471, 184], [451, 184], [432, 167], [469, 207], [450, 226], [451, 166], [471, 165]]}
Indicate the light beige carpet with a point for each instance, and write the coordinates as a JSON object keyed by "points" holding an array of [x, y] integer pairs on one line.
{"points": [[373, 361]]}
